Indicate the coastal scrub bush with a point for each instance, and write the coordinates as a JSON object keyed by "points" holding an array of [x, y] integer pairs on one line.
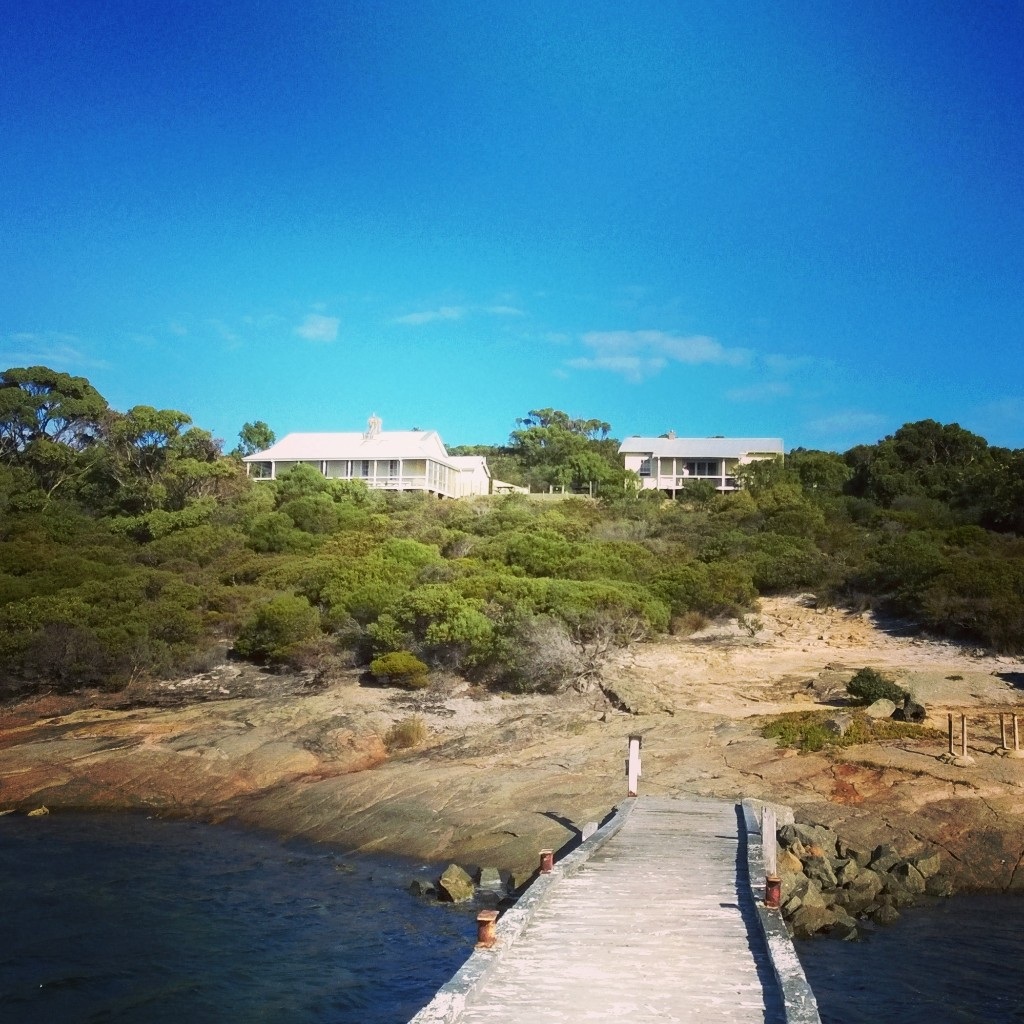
{"points": [[869, 685], [400, 668], [276, 626]]}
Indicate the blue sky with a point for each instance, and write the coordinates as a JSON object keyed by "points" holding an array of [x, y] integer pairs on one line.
{"points": [[795, 219]]}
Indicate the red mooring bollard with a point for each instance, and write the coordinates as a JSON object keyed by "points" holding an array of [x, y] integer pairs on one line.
{"points": [[773, 892], [486, 922], [547, 861]]}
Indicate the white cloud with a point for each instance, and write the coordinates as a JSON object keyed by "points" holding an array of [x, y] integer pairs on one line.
{"points": [[504, 311], [789, 364], [633, 368], [317, 327], [225, 332], [46, 348], [430, 315], [640, 354], [760, 392], [848, 420]]}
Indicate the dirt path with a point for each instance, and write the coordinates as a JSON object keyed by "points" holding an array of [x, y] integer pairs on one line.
{"points": [[500, 777]]}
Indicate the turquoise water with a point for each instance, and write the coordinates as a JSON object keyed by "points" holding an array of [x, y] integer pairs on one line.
{"points": [[126, 920]]}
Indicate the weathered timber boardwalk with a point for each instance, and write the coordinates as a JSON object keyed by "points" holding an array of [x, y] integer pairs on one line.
{"points": [[657, 924]]}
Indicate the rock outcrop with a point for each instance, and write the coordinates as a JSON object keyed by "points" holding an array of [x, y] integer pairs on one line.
{"points": [[829, 885]]}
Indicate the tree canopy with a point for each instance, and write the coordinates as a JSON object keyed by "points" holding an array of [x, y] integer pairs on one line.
{"points": [[130, 546]]}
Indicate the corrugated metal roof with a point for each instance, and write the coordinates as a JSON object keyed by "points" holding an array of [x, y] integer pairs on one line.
{"points": [[388, 444], [700, 447]]}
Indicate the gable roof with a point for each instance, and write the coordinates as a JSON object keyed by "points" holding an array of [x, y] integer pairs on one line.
{"points": [[698, 447], [388, 444]]}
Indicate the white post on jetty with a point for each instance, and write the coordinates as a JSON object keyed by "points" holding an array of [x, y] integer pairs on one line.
{"points": [[633, 764], [769, 844]]}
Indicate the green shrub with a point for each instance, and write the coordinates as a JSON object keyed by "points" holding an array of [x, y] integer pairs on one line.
{"points": [[868, 686], [807, 732], [276, 626], [400, 668]]}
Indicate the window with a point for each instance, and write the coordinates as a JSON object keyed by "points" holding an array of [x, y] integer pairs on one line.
{"points": [[702, 469], [261, 470], [645, 467]]}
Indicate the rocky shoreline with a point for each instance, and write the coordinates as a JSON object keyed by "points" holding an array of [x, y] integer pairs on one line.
{"points": [[833, 886], [500, 777]]}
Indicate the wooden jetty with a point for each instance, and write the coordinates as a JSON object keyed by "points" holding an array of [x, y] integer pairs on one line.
{"points": [[653, 919]]}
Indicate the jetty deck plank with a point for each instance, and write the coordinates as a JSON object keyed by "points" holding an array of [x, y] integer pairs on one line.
{"points": [[658, 925]]}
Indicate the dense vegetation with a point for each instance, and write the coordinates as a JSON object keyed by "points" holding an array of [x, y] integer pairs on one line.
{"points": [[130, 546]]}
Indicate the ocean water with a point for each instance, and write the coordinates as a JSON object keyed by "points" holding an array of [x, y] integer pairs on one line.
{"points": [[125, 920], [953, 961]]}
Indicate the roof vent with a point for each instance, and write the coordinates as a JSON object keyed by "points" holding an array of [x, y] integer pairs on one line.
{"points": [[373, 425]]}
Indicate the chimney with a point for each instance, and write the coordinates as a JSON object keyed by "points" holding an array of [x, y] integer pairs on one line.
{"points": [[373, 425], [671, 435]]}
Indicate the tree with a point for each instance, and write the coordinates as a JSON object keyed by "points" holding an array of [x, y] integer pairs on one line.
{"points": [[819, 472], [48, 420], [941, 461], [39, 403], [556, 450], [252, 438]]}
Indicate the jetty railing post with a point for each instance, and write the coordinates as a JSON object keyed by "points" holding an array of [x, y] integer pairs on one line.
{"points": [[633, 764], [769, 847], [963, 735], [769, 850], [951, 733], [1016, 735], [1002, 731]]}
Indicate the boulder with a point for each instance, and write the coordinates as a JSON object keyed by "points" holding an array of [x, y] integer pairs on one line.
{"points": [[885, 914], [421, 887], [455, 885], [844, 849], [882, 708], [846, 871], [808, 921], [789, 863], [938, 885], [910, 712], [883, 858], [838, 725], [866, 880], [845, 931], [820, 870], [817, 836], [909, 878], [810, 894], [927, 864]]}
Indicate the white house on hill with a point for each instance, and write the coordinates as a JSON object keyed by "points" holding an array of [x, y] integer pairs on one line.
{"points": [[390, 460], [669, 463]]}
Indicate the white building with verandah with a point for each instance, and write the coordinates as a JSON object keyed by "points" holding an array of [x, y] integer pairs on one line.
{"points": [[389, 460], [669, 463]]}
